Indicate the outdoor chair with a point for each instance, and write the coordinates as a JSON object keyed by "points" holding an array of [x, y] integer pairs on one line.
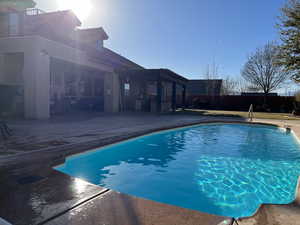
{"points": [[5, 131]]}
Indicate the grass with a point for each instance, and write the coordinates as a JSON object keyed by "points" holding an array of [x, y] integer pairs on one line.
{"points": [[239, 114]]}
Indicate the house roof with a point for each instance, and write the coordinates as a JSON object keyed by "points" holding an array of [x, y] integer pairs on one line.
{"points": [[204, 87], [105, 56], [97, 33], [153, 75], [45, 25]]}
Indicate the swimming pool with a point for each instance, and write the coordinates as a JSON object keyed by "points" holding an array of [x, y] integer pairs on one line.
{"points": [[222, 169]]}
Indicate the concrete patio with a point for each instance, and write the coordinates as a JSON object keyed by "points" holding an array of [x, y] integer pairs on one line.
{"points": [[79, 132], [31, 135], [33, 193]]}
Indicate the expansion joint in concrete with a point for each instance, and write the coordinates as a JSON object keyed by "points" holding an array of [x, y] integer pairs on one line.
{"points": [[73, 207]]}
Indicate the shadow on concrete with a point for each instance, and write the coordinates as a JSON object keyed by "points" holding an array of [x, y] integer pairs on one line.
{"points": [[26, 200]]}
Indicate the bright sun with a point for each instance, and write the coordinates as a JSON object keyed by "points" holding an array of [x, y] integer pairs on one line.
{"points": [[81, 8]]}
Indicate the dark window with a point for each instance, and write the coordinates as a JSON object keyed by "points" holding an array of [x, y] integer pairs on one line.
{"points": [[86, 86], [99, 87], [70, 84]]}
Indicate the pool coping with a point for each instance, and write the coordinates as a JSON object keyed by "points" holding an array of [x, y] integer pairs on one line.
{"points": [[81, 147], [159, 131], [59, 153]]}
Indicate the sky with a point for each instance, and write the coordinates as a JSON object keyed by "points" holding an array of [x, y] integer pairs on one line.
{"points": [[184, 35]]}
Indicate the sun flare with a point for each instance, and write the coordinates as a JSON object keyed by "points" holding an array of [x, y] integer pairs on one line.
{"points": [[81, 8]]}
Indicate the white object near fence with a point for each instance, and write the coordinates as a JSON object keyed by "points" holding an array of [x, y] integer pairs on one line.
{"points": [[250, 113]]}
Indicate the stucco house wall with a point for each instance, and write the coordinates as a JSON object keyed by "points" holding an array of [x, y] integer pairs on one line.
{"points": [[36, 72]]}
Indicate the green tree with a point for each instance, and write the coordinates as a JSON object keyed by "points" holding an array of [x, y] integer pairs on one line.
{"points": [[289, 28], [17, 4]]}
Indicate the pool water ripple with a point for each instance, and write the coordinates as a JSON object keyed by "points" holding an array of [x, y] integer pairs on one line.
{"points": [[223, 169]]}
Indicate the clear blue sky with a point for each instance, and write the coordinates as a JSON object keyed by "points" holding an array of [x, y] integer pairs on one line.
{"points": [[184, 36]]}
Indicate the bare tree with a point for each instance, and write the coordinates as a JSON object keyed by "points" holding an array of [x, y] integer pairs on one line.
{"points": [[229, 86], [262, 70], [242, 86], [211, 74], [235, 86], [212, 71]]}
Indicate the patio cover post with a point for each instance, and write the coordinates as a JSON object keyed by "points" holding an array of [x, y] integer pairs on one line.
{"points": [[37, 84], [174, 96], [184, 97], [159, 93]]}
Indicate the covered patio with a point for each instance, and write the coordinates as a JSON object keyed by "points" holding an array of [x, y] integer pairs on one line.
{"points": [[151, 90]]}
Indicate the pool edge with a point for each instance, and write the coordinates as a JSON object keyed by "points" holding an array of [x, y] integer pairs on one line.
{"points": [[195, 125], [165, 130]]}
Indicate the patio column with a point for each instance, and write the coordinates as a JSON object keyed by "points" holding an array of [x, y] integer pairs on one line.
{"points": [[159, 93], [174, 96], [184, 97], [122, 95], [111, 92], [37, 85]]}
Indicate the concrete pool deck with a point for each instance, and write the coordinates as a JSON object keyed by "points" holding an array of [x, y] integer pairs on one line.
{"points": [[32, 193]]}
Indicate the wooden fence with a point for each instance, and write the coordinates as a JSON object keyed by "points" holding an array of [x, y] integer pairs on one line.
{"points": [[242, 103]]}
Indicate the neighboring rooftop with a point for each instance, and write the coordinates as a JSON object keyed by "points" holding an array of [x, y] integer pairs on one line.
{"points": [[163, 74], [204, 87]]}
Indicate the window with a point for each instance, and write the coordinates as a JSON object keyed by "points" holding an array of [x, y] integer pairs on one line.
{"points": [[99, 87], [164, 93], [13, 26], [13, 64], [151, 88], [70, 84], [3, 25], [99, 45], [86, 85], [56, 79], [127, 89], [9, 24]]}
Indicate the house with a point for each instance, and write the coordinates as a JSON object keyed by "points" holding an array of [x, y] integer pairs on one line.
{"points": [[49, 66], [207, 87]]}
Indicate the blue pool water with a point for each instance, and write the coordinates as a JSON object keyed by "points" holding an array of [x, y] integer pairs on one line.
{"points": [[223, 169]]}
